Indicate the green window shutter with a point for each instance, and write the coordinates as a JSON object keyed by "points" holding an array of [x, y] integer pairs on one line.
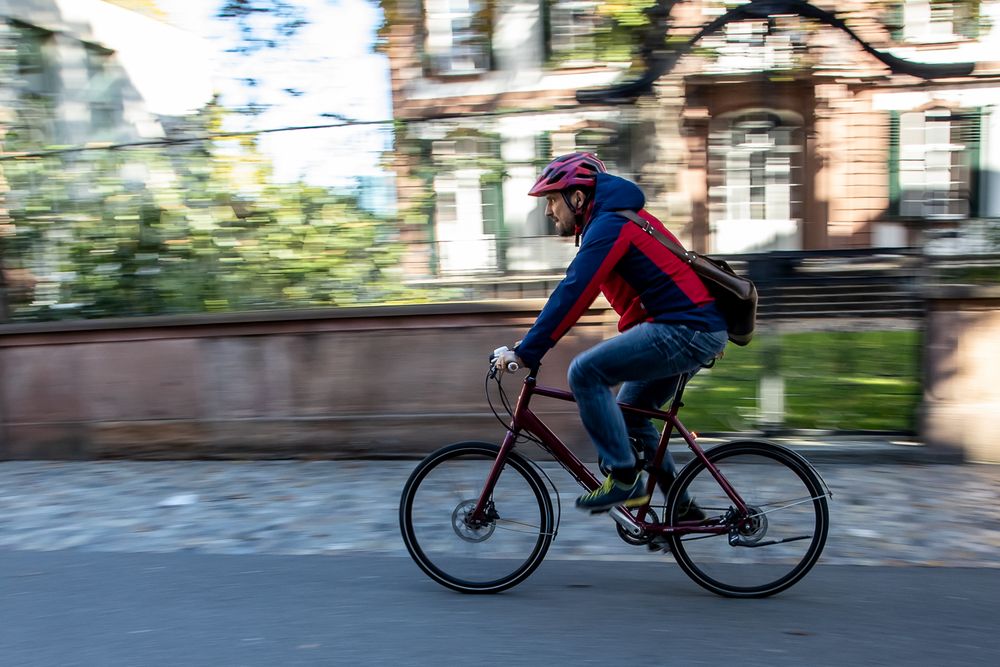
{"points": [[492, 204], [971, 137], [894, 190], [894, 20], [492, 196], [543, 148], [545, 16]]}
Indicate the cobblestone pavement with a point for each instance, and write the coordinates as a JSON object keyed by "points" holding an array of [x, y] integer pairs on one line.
{"points": [[899, 514]]}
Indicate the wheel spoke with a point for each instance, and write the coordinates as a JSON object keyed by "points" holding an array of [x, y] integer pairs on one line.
{"points": [[483, 556], [787, 513], [521, 526]]}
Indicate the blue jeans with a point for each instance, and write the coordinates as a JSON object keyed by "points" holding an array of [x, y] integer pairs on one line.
{"points": [[649, 359]]}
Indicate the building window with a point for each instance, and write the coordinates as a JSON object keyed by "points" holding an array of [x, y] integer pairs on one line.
{"points": [[754, 182], [457, 37], [930, 21], [468, 216], [34, 68], [573, 26], [935, 163], [103, 91], [35, 86], [754, 45], [604, 142]]}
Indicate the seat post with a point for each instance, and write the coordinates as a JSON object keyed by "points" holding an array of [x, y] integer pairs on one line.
{"points": [[675, 405]]}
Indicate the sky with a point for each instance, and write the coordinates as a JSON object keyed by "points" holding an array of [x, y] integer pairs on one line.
{"points": [[331, 61]]}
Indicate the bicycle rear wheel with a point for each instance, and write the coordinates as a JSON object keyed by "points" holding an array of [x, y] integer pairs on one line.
{"points": [[489, 557], [772, 547]]}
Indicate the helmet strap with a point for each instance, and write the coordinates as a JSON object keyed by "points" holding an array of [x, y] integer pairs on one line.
{"points": [[569, 202], [580, 212]]}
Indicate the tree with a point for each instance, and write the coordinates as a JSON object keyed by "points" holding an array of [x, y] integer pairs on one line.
{"points": [[190, 228]]}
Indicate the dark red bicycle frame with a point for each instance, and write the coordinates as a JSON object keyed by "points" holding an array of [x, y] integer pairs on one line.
{"points": [[526, 420]]}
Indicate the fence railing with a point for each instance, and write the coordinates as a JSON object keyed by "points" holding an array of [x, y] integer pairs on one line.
{"points": [[792, 285]]}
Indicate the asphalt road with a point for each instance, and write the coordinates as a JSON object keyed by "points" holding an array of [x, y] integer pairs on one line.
{"points": [[107, 609]]}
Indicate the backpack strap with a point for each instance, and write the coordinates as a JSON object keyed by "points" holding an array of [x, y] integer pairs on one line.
{"points": [[657, 234]]}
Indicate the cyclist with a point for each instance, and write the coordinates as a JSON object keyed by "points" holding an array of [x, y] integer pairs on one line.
{"points": [[668, 322]]}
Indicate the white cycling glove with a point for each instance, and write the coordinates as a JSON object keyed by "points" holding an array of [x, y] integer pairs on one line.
{"points": [[506, 360]]}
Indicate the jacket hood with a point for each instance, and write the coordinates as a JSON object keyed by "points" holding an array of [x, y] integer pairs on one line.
{"points": [[613, 193]]}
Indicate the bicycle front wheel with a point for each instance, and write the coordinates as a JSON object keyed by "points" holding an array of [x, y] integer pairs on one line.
{"points": [[771, 547], [484, 557]]}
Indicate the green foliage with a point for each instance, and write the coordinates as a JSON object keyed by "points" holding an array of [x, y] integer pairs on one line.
{"points": [[619, 30], [976, 274], [833, 380], [190, 228]]}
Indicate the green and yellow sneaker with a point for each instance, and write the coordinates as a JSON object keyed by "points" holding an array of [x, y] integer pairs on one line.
{"points": [[613, 493]]}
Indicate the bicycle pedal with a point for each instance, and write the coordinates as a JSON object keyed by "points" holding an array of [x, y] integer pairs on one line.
{"points": [[656, 546]]}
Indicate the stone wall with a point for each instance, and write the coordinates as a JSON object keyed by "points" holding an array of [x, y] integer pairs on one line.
{"points": [[368, 381], [961, 406]]}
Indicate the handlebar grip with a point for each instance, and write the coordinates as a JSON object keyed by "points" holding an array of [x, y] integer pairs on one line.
{"points": [[512, 366]]}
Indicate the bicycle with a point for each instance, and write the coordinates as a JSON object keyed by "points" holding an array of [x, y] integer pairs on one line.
{"points": [[766, 506]]}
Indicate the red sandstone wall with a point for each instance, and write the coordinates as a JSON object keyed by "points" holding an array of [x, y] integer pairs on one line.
{"points": [[372, 381]]}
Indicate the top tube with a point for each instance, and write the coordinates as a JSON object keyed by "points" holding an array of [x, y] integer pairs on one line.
{"points": [[564, 395]]}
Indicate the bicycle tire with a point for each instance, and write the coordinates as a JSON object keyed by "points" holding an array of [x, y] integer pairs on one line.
{"points": [[720, 556], [533, 498]]}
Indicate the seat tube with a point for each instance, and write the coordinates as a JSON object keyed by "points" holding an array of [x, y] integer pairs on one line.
{"points": [[669, 423], [661, 448]]}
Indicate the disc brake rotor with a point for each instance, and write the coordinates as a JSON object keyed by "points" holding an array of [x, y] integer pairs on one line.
{"points": [[473, 531]]}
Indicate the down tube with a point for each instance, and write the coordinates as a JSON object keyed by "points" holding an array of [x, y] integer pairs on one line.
{"points": [[531, 423]]}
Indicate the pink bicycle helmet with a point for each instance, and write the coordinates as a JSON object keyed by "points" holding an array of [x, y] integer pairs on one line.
{"points": [[565, 171]]}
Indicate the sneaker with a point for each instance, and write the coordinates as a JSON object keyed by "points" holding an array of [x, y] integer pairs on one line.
{"points": [[659, 543], [664, 480], [691, 512], [611, 494]]}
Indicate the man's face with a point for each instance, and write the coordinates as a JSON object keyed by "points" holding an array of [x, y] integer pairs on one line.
{"points": [[560, 213]]}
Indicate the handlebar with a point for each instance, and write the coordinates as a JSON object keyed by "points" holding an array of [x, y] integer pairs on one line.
{"points": [[512, 366]]}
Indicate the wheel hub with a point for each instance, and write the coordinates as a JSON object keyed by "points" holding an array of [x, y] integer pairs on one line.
{"points": [[749, 529], [473, 531]]}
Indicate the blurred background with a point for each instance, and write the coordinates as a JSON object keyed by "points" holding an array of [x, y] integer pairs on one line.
{"points": [[165, 159]]}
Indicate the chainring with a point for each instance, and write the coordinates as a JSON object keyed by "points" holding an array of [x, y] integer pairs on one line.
{"points": [[645, 538]]}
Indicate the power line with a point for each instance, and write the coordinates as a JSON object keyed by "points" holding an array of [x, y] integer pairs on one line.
{"points": [[171, 141], [342, 122]]}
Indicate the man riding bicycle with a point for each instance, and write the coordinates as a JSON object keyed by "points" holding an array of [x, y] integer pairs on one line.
{"points": [[668, 322]]}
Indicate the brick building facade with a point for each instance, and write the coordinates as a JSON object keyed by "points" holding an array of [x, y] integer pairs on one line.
{"points": [[778, 134]]}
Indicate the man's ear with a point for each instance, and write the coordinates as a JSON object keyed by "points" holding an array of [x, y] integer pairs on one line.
{"points": [[578, 200]]}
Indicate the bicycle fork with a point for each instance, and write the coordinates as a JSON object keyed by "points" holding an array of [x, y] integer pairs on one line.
{"points": [[478, 514]]}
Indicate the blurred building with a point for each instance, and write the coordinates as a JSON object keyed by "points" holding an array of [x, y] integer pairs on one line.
{"points": [[85, 71], [778, 134]]}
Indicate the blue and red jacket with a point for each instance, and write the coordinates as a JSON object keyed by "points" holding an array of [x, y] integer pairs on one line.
{"points": [[641, 279]]}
